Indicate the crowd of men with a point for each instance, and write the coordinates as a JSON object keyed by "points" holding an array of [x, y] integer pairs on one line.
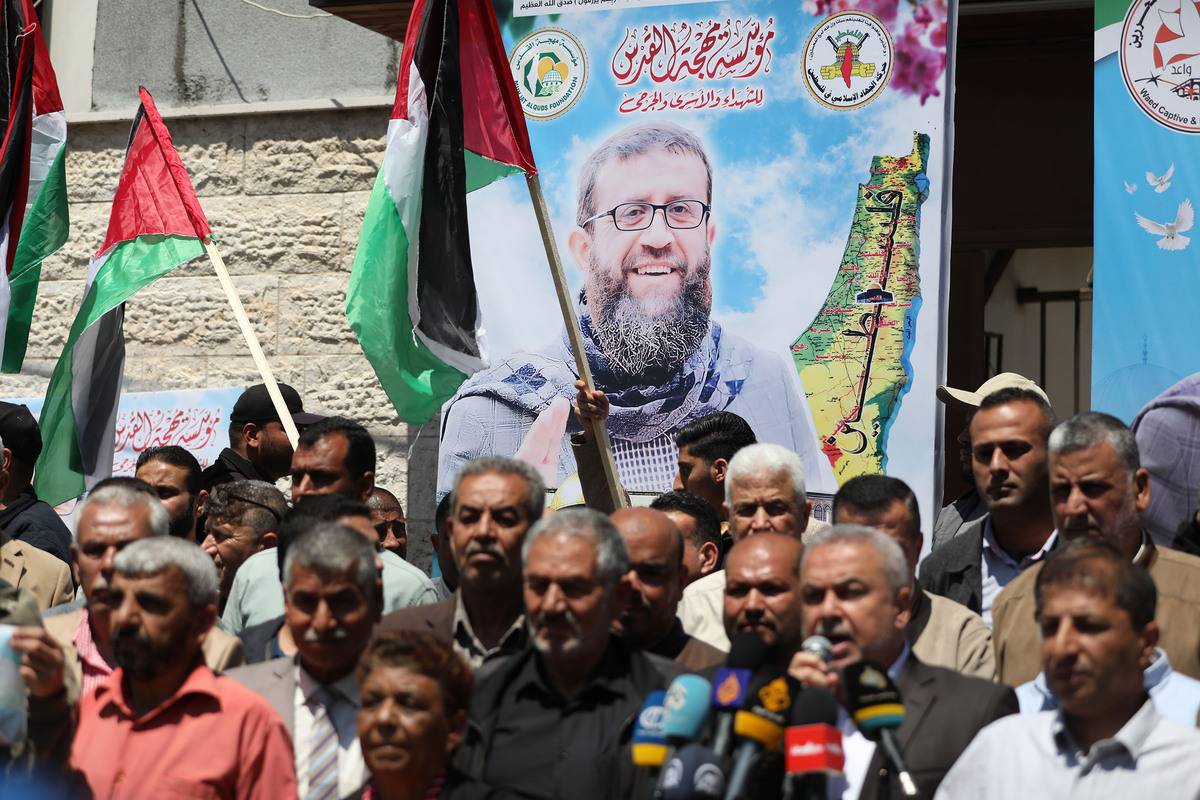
{"points": [[200, 634]]}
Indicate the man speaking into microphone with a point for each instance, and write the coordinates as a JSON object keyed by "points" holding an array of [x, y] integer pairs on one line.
{"points": [[855, 590]]}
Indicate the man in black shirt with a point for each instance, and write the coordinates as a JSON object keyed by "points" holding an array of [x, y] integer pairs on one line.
{"points": [[556, 720], [259, 449], [23, 516]]}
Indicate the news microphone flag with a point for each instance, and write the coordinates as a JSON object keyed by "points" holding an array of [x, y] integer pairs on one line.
{"points": [[457, 126], [686, 707], [649, 743], [874, 701], [694, 773]]}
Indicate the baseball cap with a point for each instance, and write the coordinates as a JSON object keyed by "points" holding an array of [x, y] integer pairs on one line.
{"points": [[1005, 380], [255, 406], [20, 433]]}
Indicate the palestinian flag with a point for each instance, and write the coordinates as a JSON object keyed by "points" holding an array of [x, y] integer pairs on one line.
{"points": [[156, 224], [33, 184], [457, 126]]}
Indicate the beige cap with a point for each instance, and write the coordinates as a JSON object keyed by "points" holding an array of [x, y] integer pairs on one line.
{"points": [[1005, 380]]}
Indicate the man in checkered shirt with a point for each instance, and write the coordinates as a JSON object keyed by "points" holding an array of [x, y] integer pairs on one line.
{"points": [[650, 342]]}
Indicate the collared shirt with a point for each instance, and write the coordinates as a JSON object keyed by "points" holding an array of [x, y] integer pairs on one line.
{"points": [[467, 644], [212, 738], [999, 568], [546, 747], [858, 749], [702, 610], [1034, 756], [1175, 696], [343, 713], [94, 669], [257, 596]]}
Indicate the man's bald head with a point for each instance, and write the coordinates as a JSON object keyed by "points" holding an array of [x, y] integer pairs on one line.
{"points": [[762, 580], [656, 571]]}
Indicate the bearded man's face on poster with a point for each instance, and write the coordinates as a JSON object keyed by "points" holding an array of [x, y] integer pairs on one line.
{"points": [[645, 250]]}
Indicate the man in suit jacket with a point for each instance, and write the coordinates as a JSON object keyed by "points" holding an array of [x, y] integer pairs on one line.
{"points": [[1008, 441], [332, 597], [494, 502], [943, 709], [110, 519], [941, 632], [1099, 488]]}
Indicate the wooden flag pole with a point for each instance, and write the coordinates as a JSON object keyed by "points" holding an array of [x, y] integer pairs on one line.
{"points": [[260, 359], [597, 429]]}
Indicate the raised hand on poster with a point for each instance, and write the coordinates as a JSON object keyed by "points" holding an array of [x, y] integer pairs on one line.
{"points": [[541, 444]]}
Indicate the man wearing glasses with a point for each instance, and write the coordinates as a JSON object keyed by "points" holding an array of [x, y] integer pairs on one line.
{"points": [[643, 240]]}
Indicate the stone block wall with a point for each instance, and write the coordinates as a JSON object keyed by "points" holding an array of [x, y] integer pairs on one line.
{"points": [[285, 195]]}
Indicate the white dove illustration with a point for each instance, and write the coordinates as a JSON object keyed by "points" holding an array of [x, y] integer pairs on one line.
{"points": [[1162, 182], [1170, 231], [1130, 187]]}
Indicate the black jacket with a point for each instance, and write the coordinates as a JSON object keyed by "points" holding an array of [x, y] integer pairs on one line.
{"points": [[646, 673], [229, 467], [258, 641], [35, 523], [955, 569]]}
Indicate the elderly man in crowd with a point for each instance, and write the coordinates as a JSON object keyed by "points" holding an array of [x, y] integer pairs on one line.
{"points": [[110, 519], [701, 529], [656, 569], [1098, 488], [493, 504], [415, 692], [387, 515], [175, 475], [331, 590], [1008, 442], [242, 518], [764, 492], [556, 719], [163, 724], [1109, 607], [855, 590], [259, 449], [941, 632], [1107, 738]]}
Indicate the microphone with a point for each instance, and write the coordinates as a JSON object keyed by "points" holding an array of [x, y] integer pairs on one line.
{"points": [[649, 743], [819, 646], [684, 711], [694, 773], [747, 652], [875, 705], [812, 746], [760, 726]]}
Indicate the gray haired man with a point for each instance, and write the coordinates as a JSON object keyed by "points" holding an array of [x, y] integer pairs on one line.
{"points": [[856, 591], [1099, 488], [764, 493], [108, 521], [164, 725], [242, 518], [556, 719], [644, 236], [332, 597]]}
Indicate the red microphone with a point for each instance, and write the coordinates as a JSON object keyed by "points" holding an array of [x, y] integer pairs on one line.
{"points": [[812, 746]]}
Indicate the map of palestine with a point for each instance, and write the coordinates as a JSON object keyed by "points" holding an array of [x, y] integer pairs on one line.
{"points": [[854, 358]]}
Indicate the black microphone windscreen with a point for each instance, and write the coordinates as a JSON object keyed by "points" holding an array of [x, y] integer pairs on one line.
{"points": [[747, 650], [693, 773], [815, 706], [873, 700]]}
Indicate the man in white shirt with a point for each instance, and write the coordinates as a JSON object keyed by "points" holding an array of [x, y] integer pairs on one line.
{"points": [[332, 595], [1095, 610]]}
